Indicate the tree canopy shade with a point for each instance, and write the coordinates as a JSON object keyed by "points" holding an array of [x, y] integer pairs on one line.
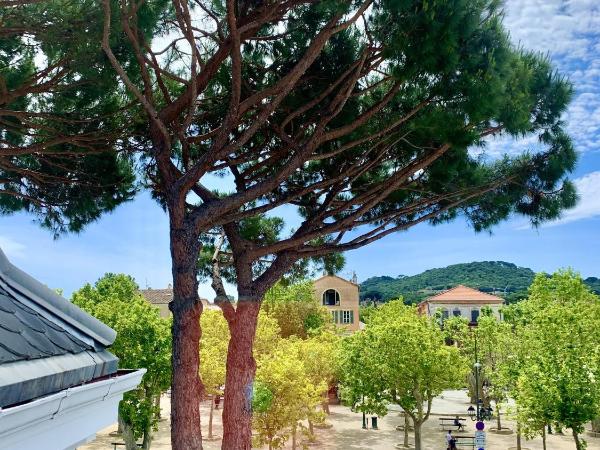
{"points": [[367, 116]]}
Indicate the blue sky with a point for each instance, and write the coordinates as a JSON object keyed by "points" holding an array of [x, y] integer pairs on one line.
{"points": [[134, 239]]}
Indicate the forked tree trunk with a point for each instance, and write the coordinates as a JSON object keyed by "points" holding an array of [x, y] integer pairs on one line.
{"points": [[237, 407], [210, 416], [186, 388]]}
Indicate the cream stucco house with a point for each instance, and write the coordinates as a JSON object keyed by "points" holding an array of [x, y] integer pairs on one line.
{"points": [[340, 297], [461, 301]]}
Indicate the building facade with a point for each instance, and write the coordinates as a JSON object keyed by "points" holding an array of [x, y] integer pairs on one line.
{"points": [[340, 297], [461, 301]]}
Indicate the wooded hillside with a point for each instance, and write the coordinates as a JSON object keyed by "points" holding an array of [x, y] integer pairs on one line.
{"points": [[499, 277]]}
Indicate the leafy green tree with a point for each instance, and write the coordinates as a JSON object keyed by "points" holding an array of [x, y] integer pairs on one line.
{"points": [[296, 309], [558, 381], [406, 354], [496, 348], [286, 394], [360, 115], [361, 389], [365, 312], [143, 340]]}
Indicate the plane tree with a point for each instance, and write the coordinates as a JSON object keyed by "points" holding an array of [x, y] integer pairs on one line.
{"points": [[401, 357], [364, 117], [559, 366], [142, 341]]}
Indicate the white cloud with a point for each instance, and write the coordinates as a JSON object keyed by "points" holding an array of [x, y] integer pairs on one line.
{"points": [[569, 31], [588, 188]]}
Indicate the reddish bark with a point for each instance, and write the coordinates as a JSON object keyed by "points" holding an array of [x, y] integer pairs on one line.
{"points": [[237, 408], [186, 387]]}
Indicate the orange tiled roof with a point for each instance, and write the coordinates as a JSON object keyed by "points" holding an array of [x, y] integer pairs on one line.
{"points": [[464, 294]]}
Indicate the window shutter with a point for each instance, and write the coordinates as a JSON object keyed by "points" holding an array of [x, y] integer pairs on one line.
{"points": [[335, 316], [351, 316]]}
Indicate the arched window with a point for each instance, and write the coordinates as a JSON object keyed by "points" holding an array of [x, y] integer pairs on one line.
{"points": [[456, 312], [474, 315], [331, 297]]}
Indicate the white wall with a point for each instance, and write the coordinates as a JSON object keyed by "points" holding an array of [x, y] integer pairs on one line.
{"points": [[465, 310]]}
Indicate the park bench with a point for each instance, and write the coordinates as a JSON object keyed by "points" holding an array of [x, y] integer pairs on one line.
{"points": [[122, 444], [447, 423], [463, 442]]}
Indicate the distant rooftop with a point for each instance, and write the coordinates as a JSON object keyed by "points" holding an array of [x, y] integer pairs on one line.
{"points": [[464, 294], [164, 296]]}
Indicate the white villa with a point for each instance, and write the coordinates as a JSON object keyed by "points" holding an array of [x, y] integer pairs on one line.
{"points": [[461, 301]]}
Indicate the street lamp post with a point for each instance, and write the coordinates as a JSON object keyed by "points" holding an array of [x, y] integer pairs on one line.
{"points": [[477, 367], [364, 417]]}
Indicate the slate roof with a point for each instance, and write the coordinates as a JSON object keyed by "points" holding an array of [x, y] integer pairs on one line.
{"points": [[47, 344]]}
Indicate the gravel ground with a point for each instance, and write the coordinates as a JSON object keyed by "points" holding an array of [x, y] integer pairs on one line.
{"points": [[346, 432]]}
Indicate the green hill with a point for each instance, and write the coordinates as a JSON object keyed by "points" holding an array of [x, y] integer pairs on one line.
{"points": [[498, 277]]}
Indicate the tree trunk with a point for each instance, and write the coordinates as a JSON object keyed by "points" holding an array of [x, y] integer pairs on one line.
{"points": [[127, 434], [294, 433], [578, 443], [417, 426], [325, 403], [311, 431], [186, 388], [518, 436], [210, 416], [498, 422], [157, 406], [237, 407], [147, 440], [406, 428], [544, 438], [596, 425]]}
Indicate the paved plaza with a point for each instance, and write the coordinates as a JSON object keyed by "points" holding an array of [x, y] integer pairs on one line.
{"points": [[347, 434]]}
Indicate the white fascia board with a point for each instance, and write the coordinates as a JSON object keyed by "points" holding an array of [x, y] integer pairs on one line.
{"points": [[65, 419]]}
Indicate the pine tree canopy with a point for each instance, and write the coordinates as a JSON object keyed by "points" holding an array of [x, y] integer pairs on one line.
{"points": [[367, 116]]}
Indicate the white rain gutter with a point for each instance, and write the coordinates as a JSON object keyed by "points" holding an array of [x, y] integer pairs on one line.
{"points": [[68, 418]]}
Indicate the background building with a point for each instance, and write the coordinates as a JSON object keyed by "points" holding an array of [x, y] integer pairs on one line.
{"points": [[461, 301], [339, 296], [162, 297]]}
